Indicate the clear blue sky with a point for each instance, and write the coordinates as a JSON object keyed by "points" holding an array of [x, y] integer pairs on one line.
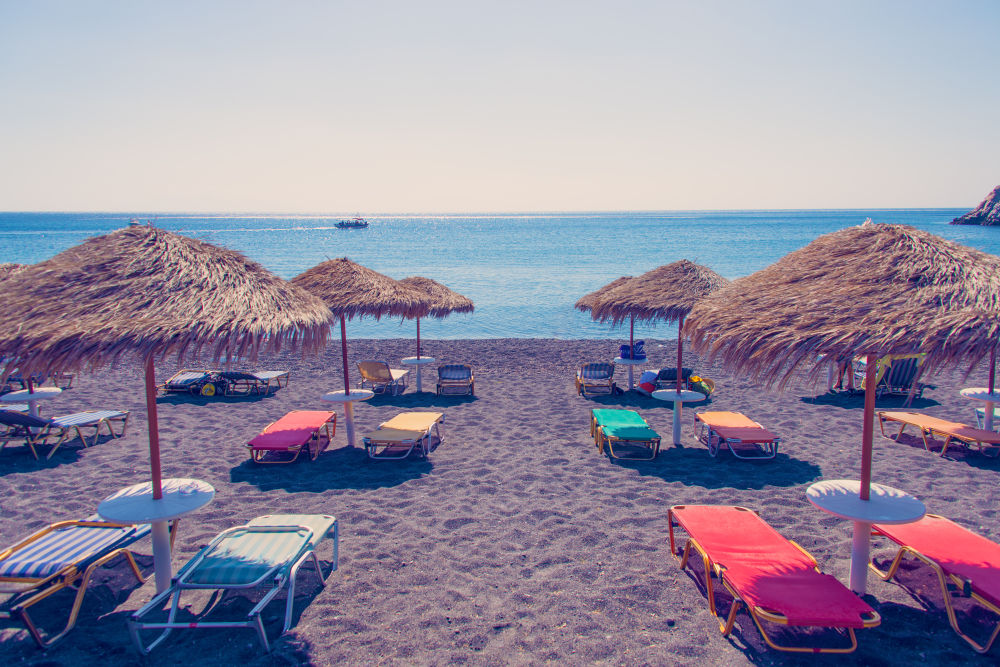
{"points": [[424, 105]]}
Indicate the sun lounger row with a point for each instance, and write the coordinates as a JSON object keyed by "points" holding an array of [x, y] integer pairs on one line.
{"points": [[264, 555], [39, 431], [779, 583], [310, 431], [773, 578], [205, 382]]}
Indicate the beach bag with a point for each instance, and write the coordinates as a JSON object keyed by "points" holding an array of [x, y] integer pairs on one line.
{"points": [[647, 382], [625, 352], [637, 350], [702, 385]]}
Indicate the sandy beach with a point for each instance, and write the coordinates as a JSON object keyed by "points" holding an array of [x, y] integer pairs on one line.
{"points": [[515, 542]]}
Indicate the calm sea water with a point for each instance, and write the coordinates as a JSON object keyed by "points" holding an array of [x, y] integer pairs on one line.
{"points": [[524, 271]]}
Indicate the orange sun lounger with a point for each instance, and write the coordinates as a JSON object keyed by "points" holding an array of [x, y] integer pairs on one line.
{"points": [[930, 426], [300, 430], [403, 434], [958, 556], [776, 579], [734, 430]]}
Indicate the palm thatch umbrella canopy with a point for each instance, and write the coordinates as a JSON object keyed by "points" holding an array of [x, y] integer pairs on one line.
{"points": [[150, 292], [667, 293], [868, 290], [443, 300], [350, 290]]}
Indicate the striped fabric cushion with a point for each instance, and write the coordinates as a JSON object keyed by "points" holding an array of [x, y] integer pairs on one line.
{"points": [[245, 555], [89, 418], [62, 547], [186, 378], [264, 376], [320, 523]]}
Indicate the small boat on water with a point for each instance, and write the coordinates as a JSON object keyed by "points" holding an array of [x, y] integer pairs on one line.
{"points": [[353, 223]]}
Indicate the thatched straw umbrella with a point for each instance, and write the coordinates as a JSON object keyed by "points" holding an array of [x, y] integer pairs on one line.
{"points": [[586, 303], [868, 290], [666, 293], [350, 290], [443, 300], [149, 292]]}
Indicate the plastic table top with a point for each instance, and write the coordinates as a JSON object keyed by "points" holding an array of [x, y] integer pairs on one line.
{"points": [[342, 396], [135, 504], [684, 396], [840, 497]]}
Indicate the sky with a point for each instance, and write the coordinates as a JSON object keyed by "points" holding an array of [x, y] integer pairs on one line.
{"points": [[369, 106]]}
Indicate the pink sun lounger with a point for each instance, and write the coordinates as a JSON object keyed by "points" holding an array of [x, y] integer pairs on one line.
{"points": [[283, 440], [778, 581]]}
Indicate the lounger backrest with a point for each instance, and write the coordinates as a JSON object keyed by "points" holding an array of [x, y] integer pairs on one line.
{"points": [[61, 547], [597, 371], [11, 418], [374, 371], [670, 374], [901, 373], [238, 375], [455, 372]]}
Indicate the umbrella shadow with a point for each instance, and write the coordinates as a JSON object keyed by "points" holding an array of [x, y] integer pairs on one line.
{"points": [[181, 398], [421, 399], [342, 468], [694, 466], [849, 401], [18, 458]]}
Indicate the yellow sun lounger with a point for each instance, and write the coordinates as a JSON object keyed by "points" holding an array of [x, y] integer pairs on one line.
{"points": [[404, 433], [988, 442]]}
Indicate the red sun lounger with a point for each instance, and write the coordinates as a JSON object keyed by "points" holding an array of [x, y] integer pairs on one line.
{"points": [[776, 579], [958, 556], [300, 430], [931, 426], [744, 437]]}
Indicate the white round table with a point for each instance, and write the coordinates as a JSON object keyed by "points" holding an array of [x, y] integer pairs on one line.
{"points": [[631, 363], [135, 504], [419, 362], [840, 497], [32, 397], [977, 394], [679, 398], [348, 400]]}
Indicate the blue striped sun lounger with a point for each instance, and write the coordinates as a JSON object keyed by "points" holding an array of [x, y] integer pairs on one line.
{"points": [[264, 554], [40, 430], [62, 555]]}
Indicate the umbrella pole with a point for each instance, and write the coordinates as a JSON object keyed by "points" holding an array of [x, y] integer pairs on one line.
{"points": [[348, 405], [154, 429], [418, 341], [868, 426], [680, 323], [988, 418]]}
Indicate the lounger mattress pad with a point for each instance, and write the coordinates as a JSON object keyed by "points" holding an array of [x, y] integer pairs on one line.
{"points": [[292, 430]]}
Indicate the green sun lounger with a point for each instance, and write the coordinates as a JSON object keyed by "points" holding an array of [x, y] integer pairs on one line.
{"points": [[623, 428], [266, 553]]}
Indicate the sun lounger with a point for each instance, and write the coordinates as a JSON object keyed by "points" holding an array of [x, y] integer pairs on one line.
{"points": [[61, 556], [283, 440], [774, 578], [744, 437], [198, 382], [264, 554], [623, 428], [596, 378], [403, 434], [377, 376], [951, 431], [240, 383], [456, 379], [666, 378], [39, 430], [961, 559]]}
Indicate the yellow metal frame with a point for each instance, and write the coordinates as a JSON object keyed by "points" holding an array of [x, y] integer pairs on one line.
{"points": [[943, 578], [758, 614], [68, 577]]}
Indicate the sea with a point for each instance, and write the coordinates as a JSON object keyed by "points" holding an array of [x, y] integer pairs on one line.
{"points": [[523, 271]]}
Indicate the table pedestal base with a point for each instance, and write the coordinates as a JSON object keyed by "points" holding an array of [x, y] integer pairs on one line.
{"points": [[860, 549], [161, 555], [678, 407], [349, 423]]}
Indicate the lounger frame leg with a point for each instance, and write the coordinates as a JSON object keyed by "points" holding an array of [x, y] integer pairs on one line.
{"points": [[943, 579]]}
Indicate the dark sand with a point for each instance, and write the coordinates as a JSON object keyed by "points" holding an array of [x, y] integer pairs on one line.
{"points": [[515, 543]]}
